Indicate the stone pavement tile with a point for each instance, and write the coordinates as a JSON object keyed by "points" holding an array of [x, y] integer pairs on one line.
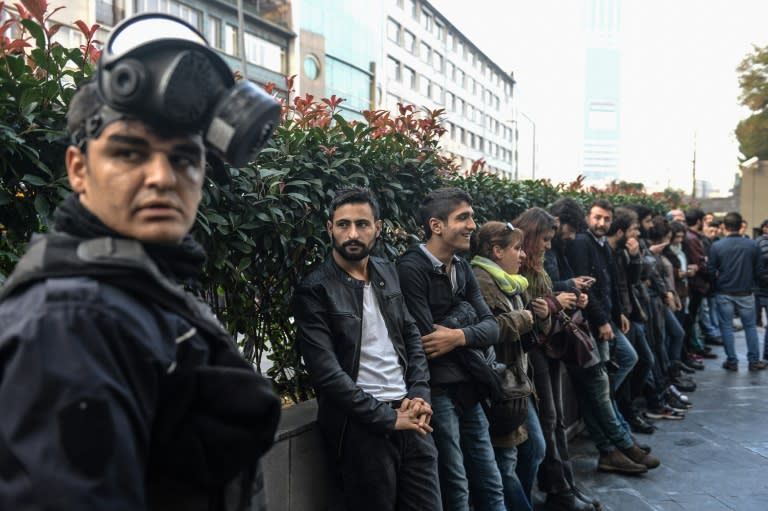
{"points": [[714, 460]]}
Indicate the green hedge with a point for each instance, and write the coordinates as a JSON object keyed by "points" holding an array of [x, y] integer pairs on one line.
{"points": [[263, 226]]}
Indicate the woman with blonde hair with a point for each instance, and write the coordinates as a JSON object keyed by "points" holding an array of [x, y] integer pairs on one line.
{"points": [[498, 253]]}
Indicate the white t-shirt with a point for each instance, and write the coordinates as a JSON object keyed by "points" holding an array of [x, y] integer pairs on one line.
{"points": [[380, 374]]}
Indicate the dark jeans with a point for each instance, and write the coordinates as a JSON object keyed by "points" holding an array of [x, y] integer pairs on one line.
{"points": [[518, 465], [694, 302], [594, 393], [388, 472], [555, 473]]}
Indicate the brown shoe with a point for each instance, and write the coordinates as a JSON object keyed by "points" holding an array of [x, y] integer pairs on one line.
{"points": [[641, 457], [757, 365], [615, 461]]}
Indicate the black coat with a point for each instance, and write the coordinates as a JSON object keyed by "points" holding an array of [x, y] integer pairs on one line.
{"points": [[118, 390], [328, 308]]}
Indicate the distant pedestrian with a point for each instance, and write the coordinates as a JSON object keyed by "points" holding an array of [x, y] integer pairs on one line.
{"points": [[734, 262]]}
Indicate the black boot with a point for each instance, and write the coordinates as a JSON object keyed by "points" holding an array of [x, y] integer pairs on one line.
{"points": [[567, 501]]}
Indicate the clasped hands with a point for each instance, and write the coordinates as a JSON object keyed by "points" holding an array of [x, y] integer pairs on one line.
{"points": [[414, 414]]}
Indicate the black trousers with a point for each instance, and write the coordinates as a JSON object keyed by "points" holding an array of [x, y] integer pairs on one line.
{"points": [[555, 472], [388, 472]]}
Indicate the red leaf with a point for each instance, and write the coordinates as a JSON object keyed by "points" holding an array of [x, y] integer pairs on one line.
{"points": [[37, 9], [23, 13], [54, 28], [83, 28]]}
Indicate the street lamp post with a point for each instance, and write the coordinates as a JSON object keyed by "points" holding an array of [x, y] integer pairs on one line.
{"points": [[533, 154]]}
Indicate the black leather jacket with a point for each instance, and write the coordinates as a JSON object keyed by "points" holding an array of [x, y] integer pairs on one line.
{"points": [[328, 308]]}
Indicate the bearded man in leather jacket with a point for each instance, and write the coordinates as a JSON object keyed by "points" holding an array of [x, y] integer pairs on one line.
{"points": [[367, 364]]}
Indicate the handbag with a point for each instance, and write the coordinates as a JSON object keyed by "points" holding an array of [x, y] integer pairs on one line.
{"points": [[571, 341], [508, 410]]}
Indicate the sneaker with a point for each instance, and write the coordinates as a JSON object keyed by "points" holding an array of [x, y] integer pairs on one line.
{"points": [[693, 363], [683, 384], [677, 404], [682, 410], [676, 392], [730, 366], [663, 413], [757, 365], [714, 341], [641, 457], [616, 461], [639, 425]]}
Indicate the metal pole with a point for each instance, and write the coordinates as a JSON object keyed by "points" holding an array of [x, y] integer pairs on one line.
{"points": [[241, 37], [533, 156]]}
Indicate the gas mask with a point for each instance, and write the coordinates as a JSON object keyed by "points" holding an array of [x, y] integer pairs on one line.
{"points": [[160, 70]]}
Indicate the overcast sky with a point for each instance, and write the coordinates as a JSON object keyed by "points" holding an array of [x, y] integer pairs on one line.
{"points": [[679, 88]]}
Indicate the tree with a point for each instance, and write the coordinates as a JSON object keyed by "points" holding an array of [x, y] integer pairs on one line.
{"points": [[752, 132]]}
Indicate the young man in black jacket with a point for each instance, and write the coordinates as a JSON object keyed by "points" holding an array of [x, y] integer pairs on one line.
{"points": [[440, 289], [119, 389], [367, 365]]}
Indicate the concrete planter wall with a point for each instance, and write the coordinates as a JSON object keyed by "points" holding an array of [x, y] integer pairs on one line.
{"points": [[296, 474]]}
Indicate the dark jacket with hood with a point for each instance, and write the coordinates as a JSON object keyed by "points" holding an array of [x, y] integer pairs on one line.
{"points": [[328, 308], [118, 389]]}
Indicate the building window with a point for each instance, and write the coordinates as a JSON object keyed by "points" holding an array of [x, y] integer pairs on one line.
{"points": [[460, 106], [463, 136], [414, 10], [263, 53], [438, 62], [392, 101], [450, 101], [193, 16], [409, 77], [393, 30], [214, 32], [230, 40], [409, 41], [424, 85], [426, 21], [393, 69], [109, 12], [426, 53], [311, 67], [462, 79], [450, 70], [440, 30], [437, 93]]}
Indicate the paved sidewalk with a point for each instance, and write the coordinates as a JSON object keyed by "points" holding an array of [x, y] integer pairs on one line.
{"points": [[714, 460]]}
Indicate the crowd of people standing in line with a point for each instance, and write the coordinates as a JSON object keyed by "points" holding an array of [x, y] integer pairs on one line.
{"points": [[392, 348]]}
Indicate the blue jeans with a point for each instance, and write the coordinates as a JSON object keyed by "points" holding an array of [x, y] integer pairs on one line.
{"points": [[674, 335], [597, 409], [624, 355], [518, 465], [763, 301], [462, 440], [744, 306], [707, 322]]}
